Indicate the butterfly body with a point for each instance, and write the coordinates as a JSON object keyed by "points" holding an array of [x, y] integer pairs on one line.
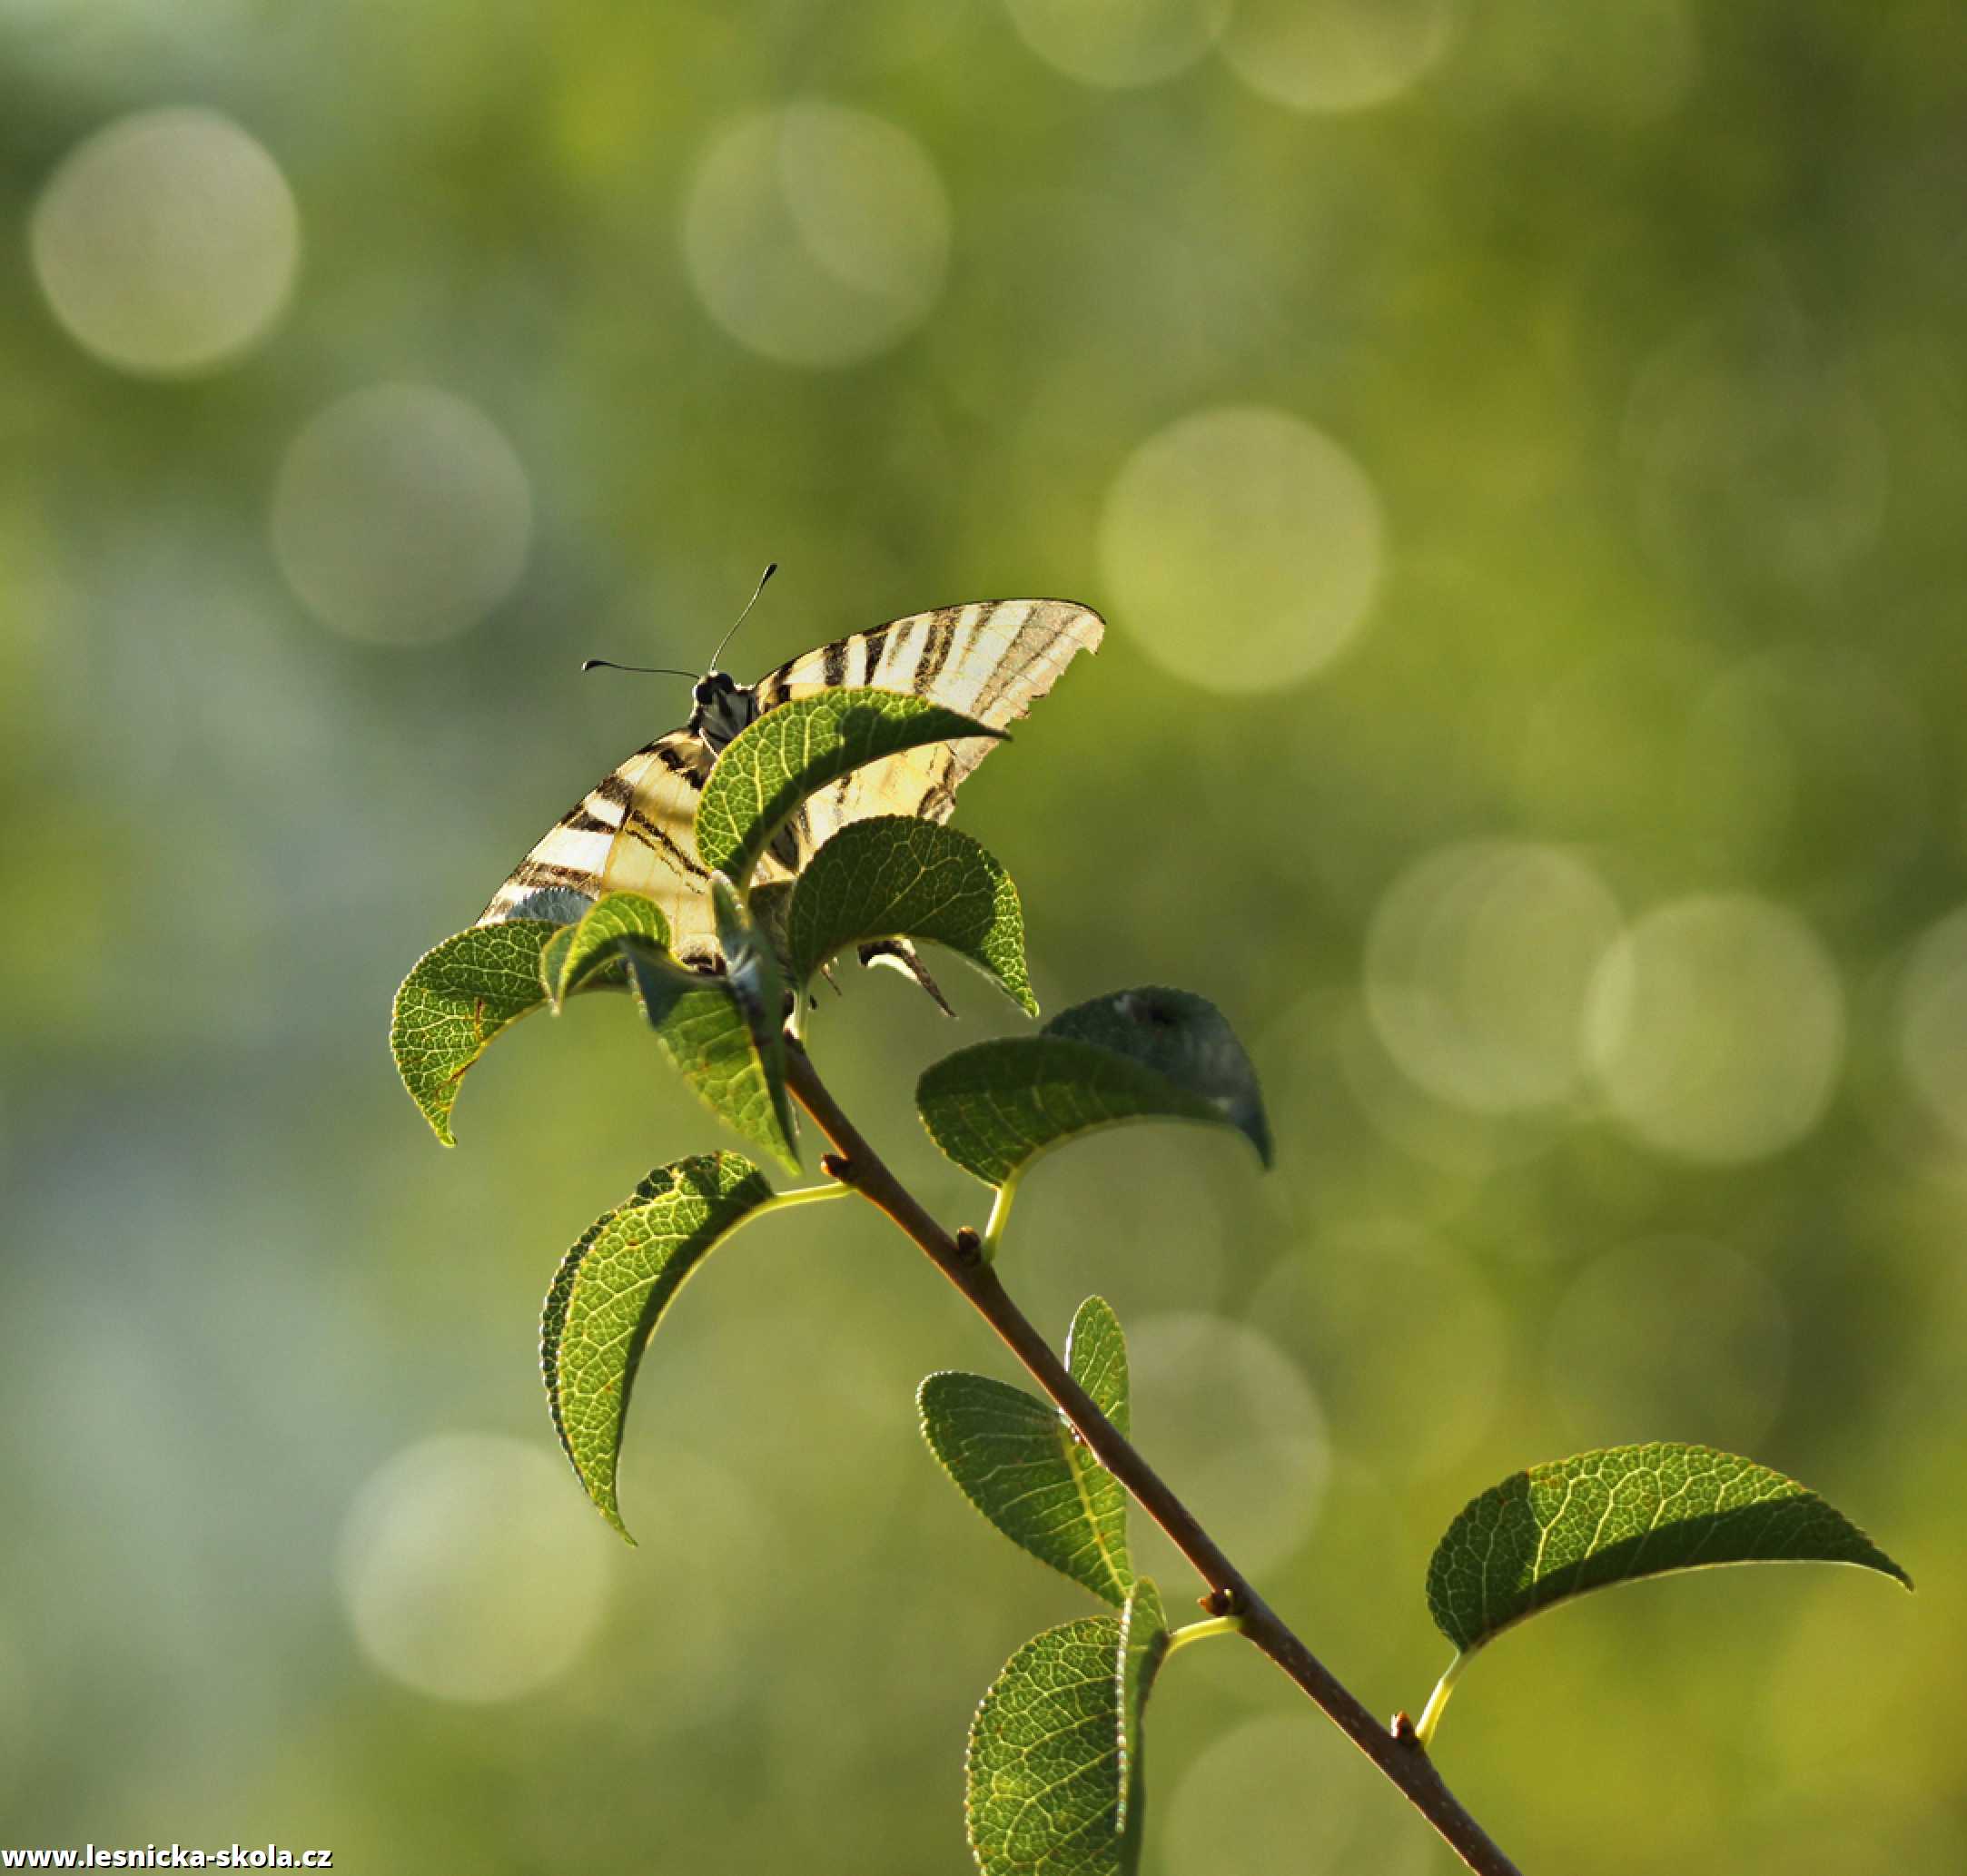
{"points": [[635, 830], [721, 707]]}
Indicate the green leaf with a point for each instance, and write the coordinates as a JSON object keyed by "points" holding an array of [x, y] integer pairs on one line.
{"points": [[895, 876], [611, 1290], [767, 769], [1137, 1055], [724, 1034], [1576, 1524], [1053, 1774], [1016, 1458], [1144, 1647], [769, 905], [575, 955], [1096, 1358], [457, 996]]}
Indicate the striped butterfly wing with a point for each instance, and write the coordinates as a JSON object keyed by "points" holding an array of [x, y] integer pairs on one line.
{"points": [[989, 660], [634, 831]]}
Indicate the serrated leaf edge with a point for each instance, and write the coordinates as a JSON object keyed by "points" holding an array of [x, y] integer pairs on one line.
{"points": [[439, 1123], [559, 1296], [1121, 1572], [743, 860]]}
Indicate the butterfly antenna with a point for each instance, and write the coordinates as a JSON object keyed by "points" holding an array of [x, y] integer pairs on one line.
{"points": [[742, 617], [656, 670]]}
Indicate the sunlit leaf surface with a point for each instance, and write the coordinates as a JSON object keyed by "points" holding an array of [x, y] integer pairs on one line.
{"points": [[1055, 1777], [1576, 1524], [581, 950], [768, 769], [610, 1292], [1016, 1458], [896, 876], [457, 996]]}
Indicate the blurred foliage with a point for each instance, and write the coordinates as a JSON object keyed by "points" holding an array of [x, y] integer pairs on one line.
{"points": [[1617, 360]]}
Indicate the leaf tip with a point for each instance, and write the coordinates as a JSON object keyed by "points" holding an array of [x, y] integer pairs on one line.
{"points": [[926, 1391]]}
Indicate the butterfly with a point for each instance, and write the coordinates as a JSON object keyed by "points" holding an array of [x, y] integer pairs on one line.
{"points": [[635, 830]]}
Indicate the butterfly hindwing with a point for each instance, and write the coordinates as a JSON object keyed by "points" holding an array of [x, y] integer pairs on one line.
{"points": [[635, 831]]}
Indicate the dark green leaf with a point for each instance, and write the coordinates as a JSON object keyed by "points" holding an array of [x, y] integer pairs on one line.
{"points": [[1183, 1038], [1558, 1530], [724, 1031], [1016, 1458], [767, 769], [895, 876], [1054, 1768], [611, 1291], [1137, 1055], [577, 954], [456, 999]]}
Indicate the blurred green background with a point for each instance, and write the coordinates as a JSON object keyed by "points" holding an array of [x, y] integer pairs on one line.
{"points": [[1521, 450]]}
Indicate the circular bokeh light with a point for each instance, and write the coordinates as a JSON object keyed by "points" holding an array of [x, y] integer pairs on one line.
{"points": [[1119, 43], [1716, 1028], [401, 515], [167, 244], [1930, 1022], [1330, 55], [471, 1570], [1243, 547], [1195, 1373], [817, 235], [1478, 962]]}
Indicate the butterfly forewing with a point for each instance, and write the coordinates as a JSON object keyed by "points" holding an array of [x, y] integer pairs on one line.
{"points": [[636, 830], [991, 661]]}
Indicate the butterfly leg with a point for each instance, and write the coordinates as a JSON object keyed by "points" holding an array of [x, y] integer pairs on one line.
{"points": [[899, 954]]}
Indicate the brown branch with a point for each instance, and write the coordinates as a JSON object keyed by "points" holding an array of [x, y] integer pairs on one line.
{"points": [[1395, 1751]]}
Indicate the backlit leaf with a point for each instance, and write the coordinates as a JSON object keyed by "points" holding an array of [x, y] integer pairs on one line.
{"points": [[724, 1034], [1096, 1358], [894, 876], [1017, 1459], [769, 768], [1054, 1771], [575, 955], [611, 1290], [457, 996], [1576, 1524]]}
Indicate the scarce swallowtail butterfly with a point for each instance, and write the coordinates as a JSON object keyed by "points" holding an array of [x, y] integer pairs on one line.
{"points": [[635, 831]]}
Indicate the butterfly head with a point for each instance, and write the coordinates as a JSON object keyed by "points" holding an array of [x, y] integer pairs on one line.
{"points": [[722, 706]]}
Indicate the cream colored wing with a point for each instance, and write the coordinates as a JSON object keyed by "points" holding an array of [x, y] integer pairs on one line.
{"points": [[633, 832], [989, 660]]}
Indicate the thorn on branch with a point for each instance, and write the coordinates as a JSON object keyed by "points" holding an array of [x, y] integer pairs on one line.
{"points": [[1220, 1601], [1403, 1729], [837, 1165], [969, 1246]]}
